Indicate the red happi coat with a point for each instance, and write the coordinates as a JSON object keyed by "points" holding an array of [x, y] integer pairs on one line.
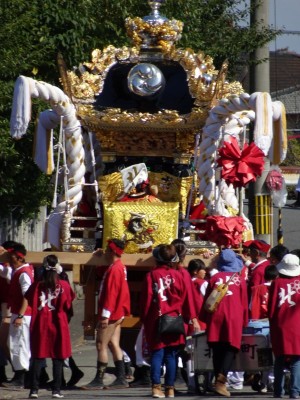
{"points": [[114, 293], [245, 273], [190, 290], [49, 328], [257, 273], [171, 299], [192, 298], [259, 301], [197, 283], [284, 315], [227, 322]]}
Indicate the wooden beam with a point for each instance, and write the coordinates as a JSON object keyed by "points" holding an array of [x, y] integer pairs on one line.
{"points": [[142, 261]]}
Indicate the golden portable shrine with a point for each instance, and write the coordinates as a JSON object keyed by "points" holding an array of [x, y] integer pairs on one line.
{"points": [[153, 146]]}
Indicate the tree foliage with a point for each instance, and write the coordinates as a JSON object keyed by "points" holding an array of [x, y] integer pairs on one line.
{"points": [[33, 33]]}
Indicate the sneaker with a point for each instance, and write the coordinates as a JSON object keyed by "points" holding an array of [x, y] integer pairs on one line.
{"points": [[235, 386], [169, 392], [235, 380], [264, 390], [57, 395], [33, 394]]}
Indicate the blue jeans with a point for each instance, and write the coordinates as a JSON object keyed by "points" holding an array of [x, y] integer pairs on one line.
{"points": [[167, 356], [279, 366], [295, 376]]}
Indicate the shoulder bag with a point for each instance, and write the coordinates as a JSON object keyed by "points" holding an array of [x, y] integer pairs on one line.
{"points": [[216, 296], [167, 323]]}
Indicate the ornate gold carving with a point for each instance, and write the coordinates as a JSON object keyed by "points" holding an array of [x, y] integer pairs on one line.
{"points": [[162, 35], [205, 83], [172, 188], [164, 144], [166, 120]]}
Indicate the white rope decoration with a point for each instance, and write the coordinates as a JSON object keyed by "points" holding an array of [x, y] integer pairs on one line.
{"points": [[27, 88], [233, 114]]}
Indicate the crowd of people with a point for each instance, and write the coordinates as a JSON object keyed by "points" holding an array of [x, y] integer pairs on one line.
{"points": [[219, 297]]}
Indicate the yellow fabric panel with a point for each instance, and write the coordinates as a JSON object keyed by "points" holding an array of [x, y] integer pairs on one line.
{"points": [[155, 223]]}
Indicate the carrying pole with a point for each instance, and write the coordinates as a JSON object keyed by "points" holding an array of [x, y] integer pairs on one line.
{"points": [[279, 229]]}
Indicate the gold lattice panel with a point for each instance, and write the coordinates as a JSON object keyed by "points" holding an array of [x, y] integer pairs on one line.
{"points": [[172, 188], [140, 142], [142, 225]]}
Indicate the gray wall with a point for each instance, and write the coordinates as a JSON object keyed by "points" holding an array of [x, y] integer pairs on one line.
{"points": [[29, 233]]}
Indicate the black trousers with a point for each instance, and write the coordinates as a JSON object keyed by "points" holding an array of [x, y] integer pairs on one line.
{"points": [[223, 357], [57, 366]]}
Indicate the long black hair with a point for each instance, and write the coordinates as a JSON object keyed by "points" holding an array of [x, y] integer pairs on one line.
{"points": [[50, 277]]}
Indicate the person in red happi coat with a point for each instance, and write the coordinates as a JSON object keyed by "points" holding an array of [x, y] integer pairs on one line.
{"points": [[164, 292], [284, 316], [258, 252], [260, 294], [193, 325], [50, 299], [20, 275], [197, 271], [225, 325], [113, 307], [258, 309]]}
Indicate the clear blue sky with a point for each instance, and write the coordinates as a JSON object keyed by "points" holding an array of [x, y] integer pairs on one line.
{"points": [[285, 15]]}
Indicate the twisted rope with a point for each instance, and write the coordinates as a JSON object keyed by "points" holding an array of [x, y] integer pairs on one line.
{"points": [[232, 115]]}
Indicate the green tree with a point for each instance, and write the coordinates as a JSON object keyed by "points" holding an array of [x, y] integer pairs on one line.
{"points": [[33, 33]]}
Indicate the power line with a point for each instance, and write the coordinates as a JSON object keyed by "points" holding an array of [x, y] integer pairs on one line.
{"points": [[286, 32]]}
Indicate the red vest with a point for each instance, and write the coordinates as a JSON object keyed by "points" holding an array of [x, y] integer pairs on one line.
{"points": [[16, 297]]}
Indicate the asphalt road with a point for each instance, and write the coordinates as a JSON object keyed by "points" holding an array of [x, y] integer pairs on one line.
{"points": [[290, 218]]}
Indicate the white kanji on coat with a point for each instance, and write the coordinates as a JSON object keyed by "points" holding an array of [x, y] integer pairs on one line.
{"points": [[287, 296], [46, 300]]}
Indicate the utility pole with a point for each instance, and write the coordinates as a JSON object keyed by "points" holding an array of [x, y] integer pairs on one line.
{"points": [[260, 201]]}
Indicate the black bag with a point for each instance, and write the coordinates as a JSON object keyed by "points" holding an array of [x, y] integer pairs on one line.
{"points": [[167, 323], [171, 324]]}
